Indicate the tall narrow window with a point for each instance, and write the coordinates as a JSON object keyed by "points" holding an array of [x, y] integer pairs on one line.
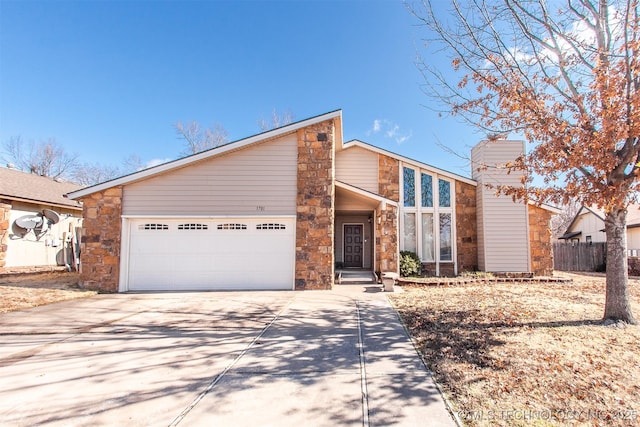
{"points": [[427, 237], [409, 237], [446, 253], [409, 182], [444, 193], [426, 190]]}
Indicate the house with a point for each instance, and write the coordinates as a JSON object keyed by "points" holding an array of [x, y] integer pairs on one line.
{"points": [[588, 227], [283, 209], [36, 222]]}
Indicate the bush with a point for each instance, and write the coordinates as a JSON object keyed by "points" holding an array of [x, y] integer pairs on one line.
{"points": [[410, 264]]}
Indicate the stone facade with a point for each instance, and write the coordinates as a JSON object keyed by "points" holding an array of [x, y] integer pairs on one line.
{"points": [[5, 211], [541, 246], [101, 233], [387, 228], [315, 207], [389, 178], [466, 227], [446, 269]]}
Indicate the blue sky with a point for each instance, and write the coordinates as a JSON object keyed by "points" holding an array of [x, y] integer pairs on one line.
{"points": [[109, 79]]}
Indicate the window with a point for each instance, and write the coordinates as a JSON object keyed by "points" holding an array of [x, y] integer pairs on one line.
{"points": [[270, 226], [427, 217], [588, 239], [445, 237], [427, 237], [193, 227], [444, 193], [232, 226], [426, 190], [409, 180], [153, 227], [409, 236]]}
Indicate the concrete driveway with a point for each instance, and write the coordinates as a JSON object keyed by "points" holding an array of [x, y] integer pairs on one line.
{"points": [[321, 358]]}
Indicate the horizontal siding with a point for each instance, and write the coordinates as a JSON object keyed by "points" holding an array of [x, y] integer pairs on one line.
{"points": [[358, 167], [236, 183], [503, 242]]}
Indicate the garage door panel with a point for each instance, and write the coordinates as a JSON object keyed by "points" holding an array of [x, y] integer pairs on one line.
{"points": [[192, 254]]}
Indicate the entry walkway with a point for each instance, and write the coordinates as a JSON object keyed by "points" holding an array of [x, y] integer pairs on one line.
{"points": [[317, 358]]}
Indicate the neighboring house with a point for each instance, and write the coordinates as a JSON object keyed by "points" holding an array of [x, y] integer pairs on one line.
{"points": [[285, 208], [36, 221], [588, 227]]}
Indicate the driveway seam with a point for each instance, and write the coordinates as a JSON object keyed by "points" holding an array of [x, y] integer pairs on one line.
{"points": [[363, 371], [218, 377]]}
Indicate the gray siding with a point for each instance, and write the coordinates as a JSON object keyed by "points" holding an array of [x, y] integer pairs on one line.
{"points": [[256, 180], [503, 235], [358, 167]]}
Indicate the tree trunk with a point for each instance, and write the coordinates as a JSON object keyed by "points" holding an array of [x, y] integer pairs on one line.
{"points": [[617, 305]]}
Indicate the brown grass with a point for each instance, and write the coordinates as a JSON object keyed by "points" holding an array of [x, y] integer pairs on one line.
{"points": [[21, 291], [528, 354]]}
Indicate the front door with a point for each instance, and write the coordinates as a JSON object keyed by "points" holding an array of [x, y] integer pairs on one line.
{"points": [[353, 243]]}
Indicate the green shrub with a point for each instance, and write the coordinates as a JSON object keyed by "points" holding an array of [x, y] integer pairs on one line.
{"points": [[410, 264]]}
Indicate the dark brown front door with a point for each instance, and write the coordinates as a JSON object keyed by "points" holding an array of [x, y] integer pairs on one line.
{"points": [[353, 245]]}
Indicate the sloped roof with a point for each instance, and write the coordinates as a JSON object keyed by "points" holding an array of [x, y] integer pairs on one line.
{"points": [[633, 216], [235, 145], [361, 144], [28, 187]]}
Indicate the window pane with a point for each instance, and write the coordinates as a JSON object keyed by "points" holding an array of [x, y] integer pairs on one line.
{"points": [[445, 237], [409, 237], [409, 179], [426, 184], [444, 192], [427, 237]]}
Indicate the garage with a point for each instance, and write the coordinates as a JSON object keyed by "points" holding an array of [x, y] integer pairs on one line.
{"points": [[242, 253]]}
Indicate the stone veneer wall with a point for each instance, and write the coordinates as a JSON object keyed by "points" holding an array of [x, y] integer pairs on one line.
{"points": [[541, 246], [101, 233], [5, 211], [387, 229], [315, 207], [466, 227]]}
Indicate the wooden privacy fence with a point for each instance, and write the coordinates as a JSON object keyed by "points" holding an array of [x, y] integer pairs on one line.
{"points": [[579, 256]]}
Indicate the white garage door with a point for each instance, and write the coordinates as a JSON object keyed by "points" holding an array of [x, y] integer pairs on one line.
{"points": [[223, 254]]}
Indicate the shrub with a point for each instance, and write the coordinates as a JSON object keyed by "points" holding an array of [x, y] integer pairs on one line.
{"points": [[410, 264]]}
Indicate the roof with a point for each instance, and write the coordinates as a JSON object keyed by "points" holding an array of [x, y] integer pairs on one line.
{"points": [[33, 188], [570, 235], [358, 143], [633, 216], [217, 151]]}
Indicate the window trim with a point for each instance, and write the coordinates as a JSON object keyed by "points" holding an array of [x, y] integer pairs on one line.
{"points": [[435, 210]]}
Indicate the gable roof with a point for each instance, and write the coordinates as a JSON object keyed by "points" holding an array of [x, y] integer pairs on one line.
{"points": [[361, 144], [633, 216], [214, 152], [33, 188]]}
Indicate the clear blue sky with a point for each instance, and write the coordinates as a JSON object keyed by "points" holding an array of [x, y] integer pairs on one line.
{"points": [[109, 79]]}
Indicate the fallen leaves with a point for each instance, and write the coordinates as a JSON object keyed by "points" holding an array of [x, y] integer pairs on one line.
{"points": [[503, 347]]}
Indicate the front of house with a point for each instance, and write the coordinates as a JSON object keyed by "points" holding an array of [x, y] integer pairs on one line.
{"points": [[285, 208]]}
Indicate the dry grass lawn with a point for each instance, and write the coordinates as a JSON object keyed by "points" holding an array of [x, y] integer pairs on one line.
{"points": [[528, 353], [21, 291]]}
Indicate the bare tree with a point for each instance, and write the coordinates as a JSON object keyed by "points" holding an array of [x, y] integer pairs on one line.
{"points": [[561, 222], [46, 158], [566, 76], [197, 139], [95, 173], [277, 120]]}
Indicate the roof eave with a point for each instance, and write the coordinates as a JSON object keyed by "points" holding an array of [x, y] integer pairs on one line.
{"points": [[364, 193], [364, 145], [232, 146]]}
